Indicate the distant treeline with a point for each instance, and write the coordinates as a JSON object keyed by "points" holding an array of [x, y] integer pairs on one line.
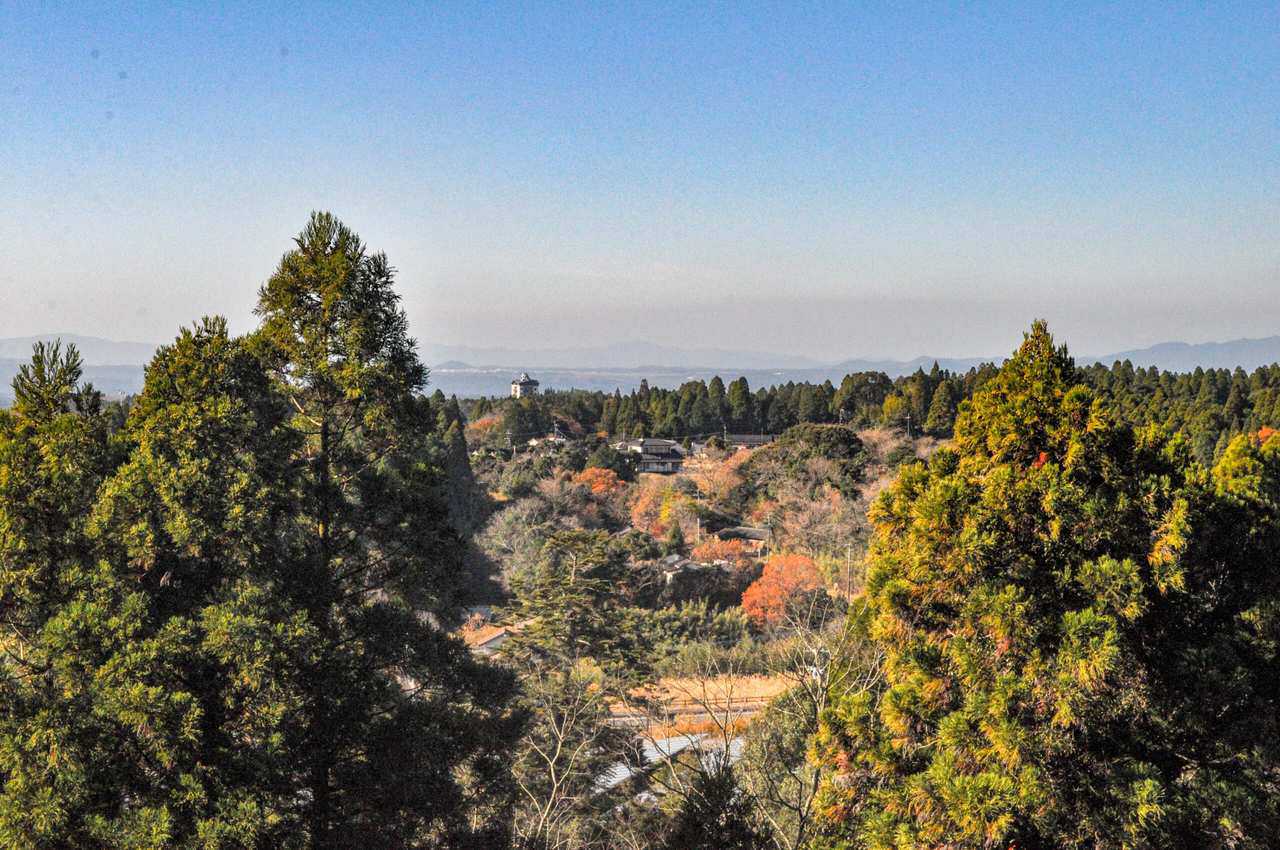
{"points": [[1209, 405]]}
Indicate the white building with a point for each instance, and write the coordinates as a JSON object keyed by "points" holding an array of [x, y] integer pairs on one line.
{"points": [[523, 386]]}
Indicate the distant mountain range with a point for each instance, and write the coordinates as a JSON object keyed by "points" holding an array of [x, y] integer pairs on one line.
{"points": [[488, 371], [637, 355], [633, 354], [116, 368], [93, 350], [111, 366], [1185, 357]]}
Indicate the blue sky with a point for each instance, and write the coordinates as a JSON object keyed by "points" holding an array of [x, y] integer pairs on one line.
{"points": [[833, 180]]}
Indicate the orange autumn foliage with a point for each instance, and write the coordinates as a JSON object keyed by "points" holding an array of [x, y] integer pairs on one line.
{"points": [[601, 482], [785, 577], [646, 509], [714, 549], [763, 511], [656, 505], [1266, 433], [482, 426]]}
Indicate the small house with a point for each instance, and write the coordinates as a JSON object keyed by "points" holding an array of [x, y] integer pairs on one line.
{"points": [[656, 455], [747, 441], [756, 539], [487, 638]]}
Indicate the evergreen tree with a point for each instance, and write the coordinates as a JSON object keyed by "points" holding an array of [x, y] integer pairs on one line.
{"points": [[394, 706], [57, 752], [941, 412], [570, 652], [194, 527], [715, 389], [1233, 409], [715, 814], [233, 639], [674, 544], [1077, 632], [741, 414], [463, 494], [568, 603], [524, 419]]}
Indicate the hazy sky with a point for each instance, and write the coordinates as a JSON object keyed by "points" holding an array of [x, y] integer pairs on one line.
{"points": [[833, 180]]}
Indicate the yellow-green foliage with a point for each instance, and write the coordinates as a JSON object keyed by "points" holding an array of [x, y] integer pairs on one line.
{"points": [[1078, 630]]}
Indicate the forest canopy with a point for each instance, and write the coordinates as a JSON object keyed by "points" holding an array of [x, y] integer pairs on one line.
{"points": [[289, 597], [1210, 406]]}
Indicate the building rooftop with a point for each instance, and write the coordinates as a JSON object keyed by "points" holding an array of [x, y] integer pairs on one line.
{"points": [[748, 439], [744, 532]]}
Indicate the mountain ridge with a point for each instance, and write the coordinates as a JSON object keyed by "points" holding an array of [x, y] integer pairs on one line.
{"points": [[625, 354], [94, 350], [117, 367]]}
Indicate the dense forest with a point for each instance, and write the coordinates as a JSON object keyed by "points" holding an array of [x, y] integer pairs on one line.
{"points": [[1209, 405], [289, 597]]}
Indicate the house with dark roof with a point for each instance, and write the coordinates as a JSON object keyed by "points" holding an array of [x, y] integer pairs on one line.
{"points": [[747, 441], [756, 539], [656, 455]]}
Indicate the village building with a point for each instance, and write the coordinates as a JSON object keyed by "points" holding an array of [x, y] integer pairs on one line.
{"points": [[747, 441], [756, 539], [524, 386], [674, 566], [664, 457], [485, 638]]}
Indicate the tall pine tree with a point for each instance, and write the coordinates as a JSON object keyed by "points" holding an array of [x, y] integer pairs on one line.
{"points": [[395, 707], [1078, 627], [234, 635], [56, 748], [196, 526]]}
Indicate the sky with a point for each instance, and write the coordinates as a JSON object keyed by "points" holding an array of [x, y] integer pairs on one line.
{"points": [[833, 180]]}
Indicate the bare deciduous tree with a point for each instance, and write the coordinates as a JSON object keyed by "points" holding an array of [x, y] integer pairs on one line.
{"points": [[819, 655], [569, 745]]}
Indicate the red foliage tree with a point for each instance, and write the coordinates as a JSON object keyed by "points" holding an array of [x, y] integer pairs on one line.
{"points": [[601, 482], [482, 427], [785, 578], [646, 510]]}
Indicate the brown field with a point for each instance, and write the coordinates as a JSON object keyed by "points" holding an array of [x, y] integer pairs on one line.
{"points": [[688, 703]]}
